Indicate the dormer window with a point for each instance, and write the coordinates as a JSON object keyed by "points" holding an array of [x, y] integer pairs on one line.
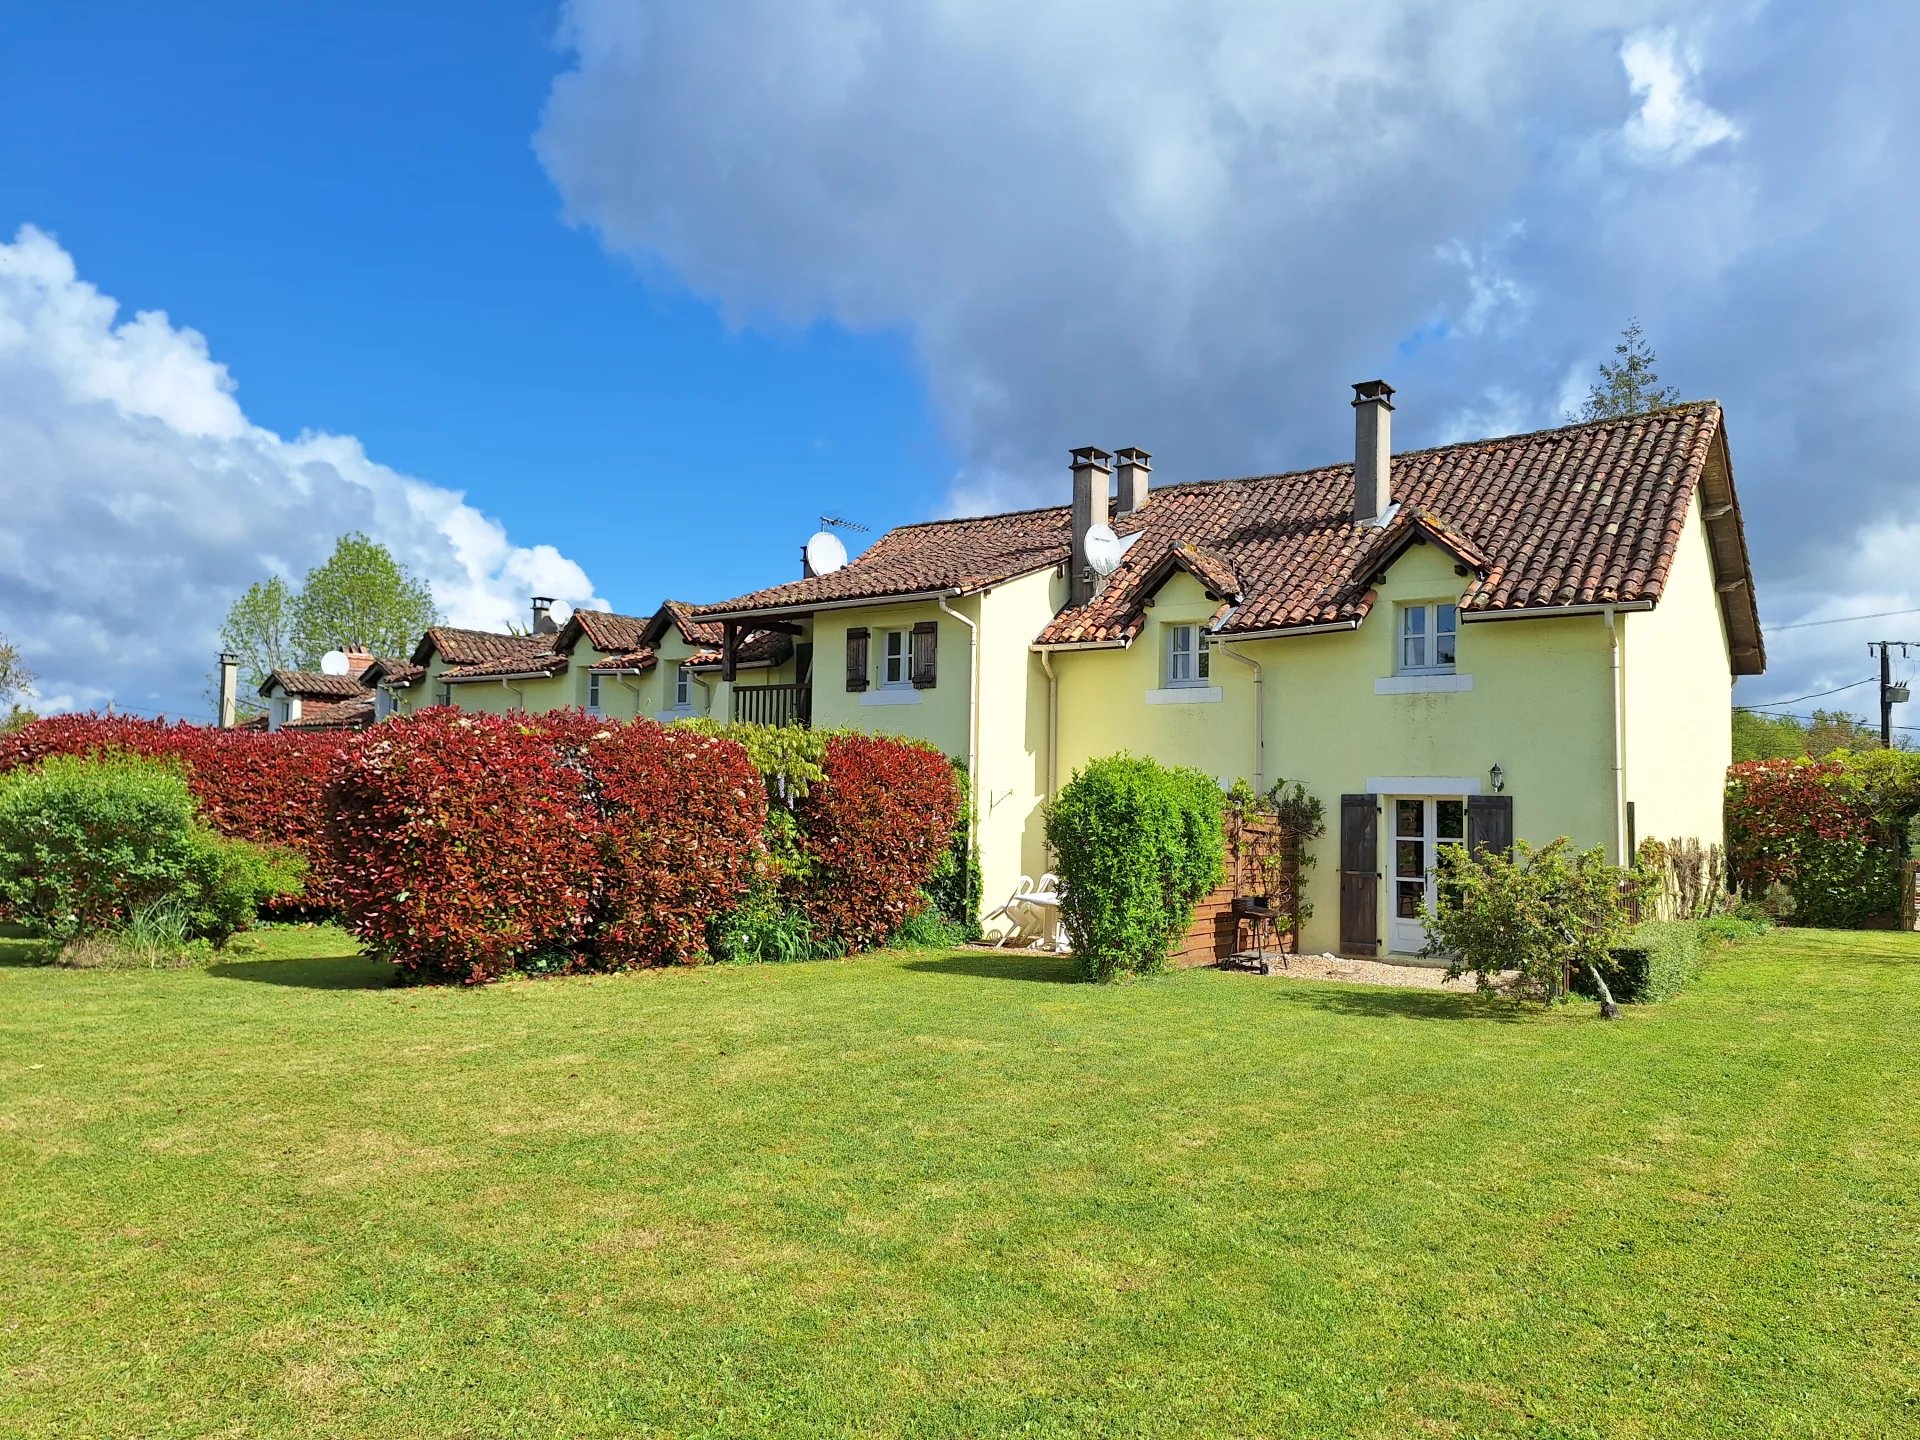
{"points": [[1427, 639], [1189, 657]]}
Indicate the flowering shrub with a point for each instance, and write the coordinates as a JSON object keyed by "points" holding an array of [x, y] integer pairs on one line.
{"points": [[249, 785], [461, 842], [1802, 824], [871, 833], [680, 816]]}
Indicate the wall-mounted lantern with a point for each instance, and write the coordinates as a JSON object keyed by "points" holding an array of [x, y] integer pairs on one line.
{"points": [[1499, 778]]}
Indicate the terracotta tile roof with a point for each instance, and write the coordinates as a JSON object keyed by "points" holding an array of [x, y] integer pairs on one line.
{"points": [[642, 659], [353, 714], [1584, 515], [392, 672], [604, 631], [757, 647], [306, 683], [937, 555], [535, 655], [471, 647], [681, 616]]}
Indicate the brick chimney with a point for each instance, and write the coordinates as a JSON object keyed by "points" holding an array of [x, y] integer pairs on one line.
{"points": [[1372, 451], [357, 660], [543, 615], [1092, 489], [1134, 473]]}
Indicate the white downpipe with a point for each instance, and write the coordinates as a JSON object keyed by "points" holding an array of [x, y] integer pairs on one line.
{"points": [[973, 720], [1259, 716], [1053, 725], [1619, 743], [519, 695]]}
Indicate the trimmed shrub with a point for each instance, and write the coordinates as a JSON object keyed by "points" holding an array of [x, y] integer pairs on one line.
{"points": [[1802, 824], [872, 832], [250, 785], [97, 844], [461, 842], [1139, 844], [680, 820], [1660, 959]]}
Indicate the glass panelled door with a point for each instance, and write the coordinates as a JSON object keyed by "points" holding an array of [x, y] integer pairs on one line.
{"points": [[1420, 827]]}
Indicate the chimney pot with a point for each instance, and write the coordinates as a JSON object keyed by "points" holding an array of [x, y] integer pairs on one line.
{"points": [[1092, 490], [1134, 475], [1372, 451], [543, 615], [229, 687]]}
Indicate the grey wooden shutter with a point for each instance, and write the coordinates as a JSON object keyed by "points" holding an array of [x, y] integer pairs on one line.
{"points": [[1490, 823], [1360, 874], [926, 640], [857, 658]]}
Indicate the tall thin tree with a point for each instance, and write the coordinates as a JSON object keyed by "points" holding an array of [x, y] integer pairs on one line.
{"points": [[1630, 385]]}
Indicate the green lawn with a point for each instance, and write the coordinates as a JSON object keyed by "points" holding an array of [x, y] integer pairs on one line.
{"points": [[952, 1195]]}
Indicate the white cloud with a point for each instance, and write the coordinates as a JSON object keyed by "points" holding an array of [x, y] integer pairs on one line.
{"points": [[138, 500], [1672, 124]]}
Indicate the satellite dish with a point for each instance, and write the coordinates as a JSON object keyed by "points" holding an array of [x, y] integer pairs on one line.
{"points": [[334, 662], [1104, 549], [825, 553]]}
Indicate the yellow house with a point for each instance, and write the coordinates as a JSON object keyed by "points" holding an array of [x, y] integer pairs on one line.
{"points": [[1522, 637], [661, 667]]}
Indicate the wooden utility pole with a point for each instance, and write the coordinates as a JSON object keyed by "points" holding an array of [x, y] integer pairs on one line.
{"points": [[1890, 693]]}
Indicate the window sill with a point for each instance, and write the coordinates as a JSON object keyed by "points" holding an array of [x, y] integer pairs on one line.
{"points": [[888, 695], [667, 717], [1185, 695], [1440, 684]]}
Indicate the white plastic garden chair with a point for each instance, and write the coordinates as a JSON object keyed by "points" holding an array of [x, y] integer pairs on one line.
{"points": [[1036, 903]]}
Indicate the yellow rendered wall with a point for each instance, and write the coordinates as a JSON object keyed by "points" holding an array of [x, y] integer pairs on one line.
{"points": [[1677, 675], [937, 715], [1010, 781], [1539, 707]]}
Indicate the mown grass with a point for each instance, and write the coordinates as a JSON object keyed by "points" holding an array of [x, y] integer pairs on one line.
{"points": [[952, 1195]]}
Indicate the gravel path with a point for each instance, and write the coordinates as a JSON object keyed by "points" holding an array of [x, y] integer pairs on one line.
{"points": [[1367, 972]]}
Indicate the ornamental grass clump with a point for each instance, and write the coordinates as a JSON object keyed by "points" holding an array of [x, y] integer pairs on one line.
{"points": [[110, 850], [1138, 845]]}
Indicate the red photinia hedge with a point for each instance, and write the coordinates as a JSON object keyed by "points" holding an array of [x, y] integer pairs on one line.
{"points": [[872, 833], [249, 785], [680, 819], [1798, 823], [461, 844]]}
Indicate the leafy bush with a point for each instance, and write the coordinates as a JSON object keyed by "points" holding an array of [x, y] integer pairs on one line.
{"points": [[930, 930], [1545, 914], [872, 832], [953, 890], [1804, 825], [680, 820], [250, 785], [763, 928], [460, 843], [1138, 845], [93, 845]]}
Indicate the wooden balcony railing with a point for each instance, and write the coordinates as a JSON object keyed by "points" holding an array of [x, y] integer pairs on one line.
{"points": [[773, 705]]}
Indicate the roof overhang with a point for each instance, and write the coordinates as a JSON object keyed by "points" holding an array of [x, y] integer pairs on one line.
{"points": [[1281, 632], [1552, 612], [864, 602], [1732, 569], [447, 679]]}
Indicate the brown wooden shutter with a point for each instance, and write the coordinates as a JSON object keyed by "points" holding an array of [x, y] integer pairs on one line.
{"points": [[1490, 823], [857, 658], [1360, 874], [926, 641]]}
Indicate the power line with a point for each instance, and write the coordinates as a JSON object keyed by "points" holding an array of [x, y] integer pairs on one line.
{"points": [[1791, 715], [1838, 620], [1817, 695]]}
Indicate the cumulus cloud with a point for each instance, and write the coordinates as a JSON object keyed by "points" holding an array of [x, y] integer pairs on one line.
{"points": [[136, 500], [1672, 123], [1189, 226]]}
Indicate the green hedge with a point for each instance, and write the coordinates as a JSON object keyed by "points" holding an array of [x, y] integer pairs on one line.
{"points": [[1661, 959], [1138, 844]]}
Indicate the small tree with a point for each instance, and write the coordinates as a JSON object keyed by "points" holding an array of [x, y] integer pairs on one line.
{"points": [[1139, 844], [361, 596], [1629, 386], [16, 680], [1541, 914], [259, 629]]}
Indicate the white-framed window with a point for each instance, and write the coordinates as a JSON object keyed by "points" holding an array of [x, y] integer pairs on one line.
{"points": [[593, 694], [1189, 655], [896, 660], [683, 689], [446, 694], [1427, 639]]}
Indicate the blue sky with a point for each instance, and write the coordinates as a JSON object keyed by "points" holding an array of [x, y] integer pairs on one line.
{"points": [[613, 298]]}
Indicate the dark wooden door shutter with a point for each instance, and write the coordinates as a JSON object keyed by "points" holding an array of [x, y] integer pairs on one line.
{"points": [[857, 658], [926, 641], [1490, 823], [1360, 874]]}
